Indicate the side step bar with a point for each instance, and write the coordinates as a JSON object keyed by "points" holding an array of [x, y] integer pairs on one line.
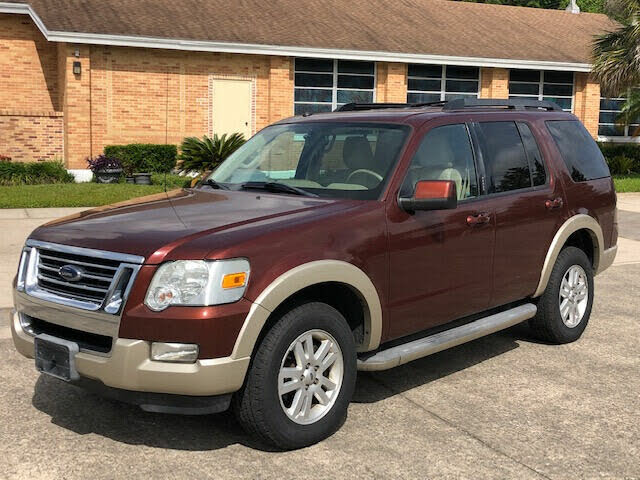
{"points": [[422, 347]]}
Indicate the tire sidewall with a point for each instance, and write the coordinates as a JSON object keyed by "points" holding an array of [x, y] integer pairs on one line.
{"points": [[567, 258], [293, 324]]}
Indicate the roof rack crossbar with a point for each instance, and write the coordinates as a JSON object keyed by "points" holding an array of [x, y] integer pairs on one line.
{"points": [[512, 103]]}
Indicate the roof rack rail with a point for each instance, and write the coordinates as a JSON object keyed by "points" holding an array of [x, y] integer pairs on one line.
{"points": [[513, 103], [352, 107]]}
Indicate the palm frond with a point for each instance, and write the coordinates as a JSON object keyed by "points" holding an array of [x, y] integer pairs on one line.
{"points": [[200, 155]]}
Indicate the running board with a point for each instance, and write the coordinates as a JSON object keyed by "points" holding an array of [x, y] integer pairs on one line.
{"points": [[408, 352]]}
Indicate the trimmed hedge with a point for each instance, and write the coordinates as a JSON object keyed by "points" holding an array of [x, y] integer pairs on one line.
{"points": [[622, 158], [142, 157], [19, 173]]}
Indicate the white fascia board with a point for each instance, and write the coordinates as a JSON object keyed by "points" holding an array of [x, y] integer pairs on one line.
{"points": [[286, 51]]}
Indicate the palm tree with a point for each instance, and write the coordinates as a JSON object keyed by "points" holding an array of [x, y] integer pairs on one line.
{"points": [[616, 57], [204, 155]]}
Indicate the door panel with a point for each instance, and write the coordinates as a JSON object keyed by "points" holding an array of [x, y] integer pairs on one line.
{"points": [[232, 107], [440, 267], [524, 223], [440, 262]]}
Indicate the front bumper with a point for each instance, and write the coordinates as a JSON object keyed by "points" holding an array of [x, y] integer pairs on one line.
{"points": [[129, 367]]}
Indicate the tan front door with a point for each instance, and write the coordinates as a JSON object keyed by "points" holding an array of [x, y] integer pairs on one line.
{"points": [[232, 107]]}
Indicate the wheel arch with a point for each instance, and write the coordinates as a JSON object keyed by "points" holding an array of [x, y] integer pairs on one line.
{"points": [[297, 280], [575, 226]]}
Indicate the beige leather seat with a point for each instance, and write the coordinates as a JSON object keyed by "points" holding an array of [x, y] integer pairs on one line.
{"points": [[435, 161]]}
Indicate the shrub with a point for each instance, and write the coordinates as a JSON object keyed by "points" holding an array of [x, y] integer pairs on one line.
{"points": [[140, 157], [20, 173], [614, 151], [102, 162], [201, 155]]}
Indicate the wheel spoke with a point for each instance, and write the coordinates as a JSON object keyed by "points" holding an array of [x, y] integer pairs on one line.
{"points": [[308, 347], [290, 386], [327, 362], [565, 290], [321, 395], [323, 350], [564, 308], [325, 382], [308, 398], [298, 403], [298, 352]]}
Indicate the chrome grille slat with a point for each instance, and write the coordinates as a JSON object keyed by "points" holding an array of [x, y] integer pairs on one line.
{"points": [[77, 262], [72, 285], [86, 275]]}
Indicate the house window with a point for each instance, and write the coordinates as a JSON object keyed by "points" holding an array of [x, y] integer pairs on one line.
{"points": [[433, 83], [323, 85], [543, 85], [608, 124]]}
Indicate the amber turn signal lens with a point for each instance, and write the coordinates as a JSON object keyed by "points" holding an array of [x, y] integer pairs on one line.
{"points": [[234, 280]]}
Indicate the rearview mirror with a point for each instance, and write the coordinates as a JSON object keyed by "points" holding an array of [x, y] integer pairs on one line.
{"points": [[431, 195]]}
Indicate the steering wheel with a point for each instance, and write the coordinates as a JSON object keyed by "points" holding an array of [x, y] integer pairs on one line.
{"points": [[377, 176]]}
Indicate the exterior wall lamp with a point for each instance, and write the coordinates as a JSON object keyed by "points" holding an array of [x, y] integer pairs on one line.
{"points": [[77, 68]]}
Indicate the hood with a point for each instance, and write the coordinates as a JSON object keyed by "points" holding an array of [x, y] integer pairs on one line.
{"points": [[145, 225]]}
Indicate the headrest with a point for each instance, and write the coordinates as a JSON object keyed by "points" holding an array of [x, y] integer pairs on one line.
{"points": [[356, 153]]}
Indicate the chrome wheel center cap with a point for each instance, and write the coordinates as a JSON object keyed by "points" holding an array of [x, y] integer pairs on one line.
{"points": [[309, 376]]}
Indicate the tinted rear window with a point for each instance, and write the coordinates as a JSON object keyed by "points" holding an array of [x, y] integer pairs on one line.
{"points": [[505, 158], [579, 151]]}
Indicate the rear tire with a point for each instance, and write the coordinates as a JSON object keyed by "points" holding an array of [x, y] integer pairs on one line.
{"points": [[565, 306], [301, 378]]}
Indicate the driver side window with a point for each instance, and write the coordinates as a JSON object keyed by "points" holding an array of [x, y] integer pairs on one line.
{"points": [[445, 153]]}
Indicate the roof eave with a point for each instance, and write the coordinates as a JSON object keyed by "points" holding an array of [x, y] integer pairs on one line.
{"points": [[280, 50]]}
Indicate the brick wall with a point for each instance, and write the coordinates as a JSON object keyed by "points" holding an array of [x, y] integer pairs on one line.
{"points": [[494, 83], [30, 103], [29, 138], [391, 82], [586, 103]]}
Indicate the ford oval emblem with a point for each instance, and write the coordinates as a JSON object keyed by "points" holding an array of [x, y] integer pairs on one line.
{"points": [[70, 273]]}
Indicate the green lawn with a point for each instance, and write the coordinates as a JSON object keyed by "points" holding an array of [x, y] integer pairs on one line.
{"points": [[94, 195], [82, 194], [627, 183]]}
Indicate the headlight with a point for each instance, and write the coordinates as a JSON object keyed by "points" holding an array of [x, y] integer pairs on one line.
{"points": [[198, 283]]}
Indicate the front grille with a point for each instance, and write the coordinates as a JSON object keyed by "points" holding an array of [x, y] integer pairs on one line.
{"points": [[97, 276], [83, 278], [85, 340]]}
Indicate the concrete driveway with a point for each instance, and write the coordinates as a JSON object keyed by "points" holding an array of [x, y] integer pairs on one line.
{"points": [[504, 406]]}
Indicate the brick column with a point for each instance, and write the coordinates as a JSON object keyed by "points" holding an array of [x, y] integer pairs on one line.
{"points": [[494, 83], [280, 88], [586, 103], [77, 104], [391, 82]]}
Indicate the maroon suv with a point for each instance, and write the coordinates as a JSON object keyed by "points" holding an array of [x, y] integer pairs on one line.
{"points": [[329, 243]]}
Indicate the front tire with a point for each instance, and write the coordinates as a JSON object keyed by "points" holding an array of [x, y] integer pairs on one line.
{"points": [[565, 306], [301, 378]]}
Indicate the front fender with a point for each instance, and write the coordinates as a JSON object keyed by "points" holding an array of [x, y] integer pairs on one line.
{"points": [[303, 276]]}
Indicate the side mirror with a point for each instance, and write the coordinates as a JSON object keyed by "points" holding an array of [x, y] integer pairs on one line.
{"points": [[431, 195]]}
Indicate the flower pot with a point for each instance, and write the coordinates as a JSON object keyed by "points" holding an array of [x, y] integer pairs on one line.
{"points": [[130, 179], [142, 178], [108, 175]]}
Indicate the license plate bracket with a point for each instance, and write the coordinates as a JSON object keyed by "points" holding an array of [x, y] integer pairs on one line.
{"points": [[56, 357]]}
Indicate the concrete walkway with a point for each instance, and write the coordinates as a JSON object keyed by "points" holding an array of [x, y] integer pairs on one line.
{"points": [[17, 223]]}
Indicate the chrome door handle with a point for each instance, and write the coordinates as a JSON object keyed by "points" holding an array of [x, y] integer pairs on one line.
{"points": [[479, 219], [553, 204]]}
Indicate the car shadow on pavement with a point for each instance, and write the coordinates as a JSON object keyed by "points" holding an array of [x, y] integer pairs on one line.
{"points": [[84, 413]]}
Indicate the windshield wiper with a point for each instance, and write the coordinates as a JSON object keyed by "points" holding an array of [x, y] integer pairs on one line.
{"points": [[213, 184], [277, 187]]}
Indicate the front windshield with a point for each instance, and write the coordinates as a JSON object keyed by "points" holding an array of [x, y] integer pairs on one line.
{"points": [[339, 160]]}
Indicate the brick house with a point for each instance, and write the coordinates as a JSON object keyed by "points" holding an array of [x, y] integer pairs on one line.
{"points": [[75, 77]]}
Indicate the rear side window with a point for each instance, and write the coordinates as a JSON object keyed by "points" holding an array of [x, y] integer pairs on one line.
{"points": [[505, 160], [536, 163], [579, 151]]}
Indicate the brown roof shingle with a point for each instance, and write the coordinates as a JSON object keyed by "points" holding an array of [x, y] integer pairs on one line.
{"points": [[432, 27]]}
